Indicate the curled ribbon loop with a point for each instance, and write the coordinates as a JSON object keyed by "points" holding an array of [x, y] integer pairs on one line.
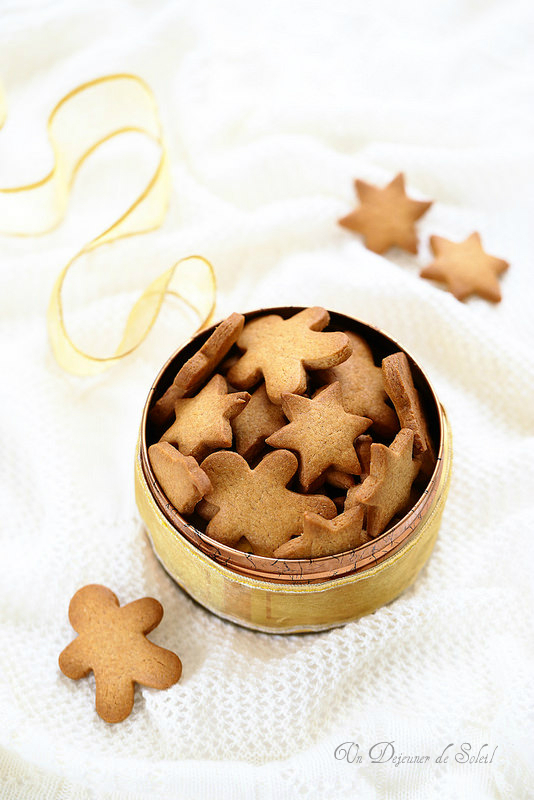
{"points": [[75, 131]]}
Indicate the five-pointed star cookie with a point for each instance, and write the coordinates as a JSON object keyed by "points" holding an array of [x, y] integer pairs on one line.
{"points": [[281, 350], [386, 217], [258, 420], [112, 643], [255, 503], [465, 268], [362, 384], [203, 422], [323, 537], [386, 490], [180, 477], [321, 432]]}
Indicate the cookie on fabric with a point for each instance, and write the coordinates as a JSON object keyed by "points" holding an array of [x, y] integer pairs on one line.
{"points": [[112, 643], [386, 217], [202, 422], [258, 420], [323, 537], [255, 503], [362, 384], [465, 268], [199, 367], [386, 490], [281, 350], [181, 479], [321, 432], [399, 385]]}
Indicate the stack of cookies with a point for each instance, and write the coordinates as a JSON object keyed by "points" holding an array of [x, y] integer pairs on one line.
{"points": [[286, 440]]}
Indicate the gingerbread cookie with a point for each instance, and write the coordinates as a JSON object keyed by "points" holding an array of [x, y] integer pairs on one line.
{"points": [[112, 643], [323, 537], [363, 448], [386, 490], [199, 367], [321, 432], [281, 350], [258, 420], [386, 217], [203, 422], [465, 268], [400, 387], [255, 503], [180, 477], [362, 384], [343, 480]]}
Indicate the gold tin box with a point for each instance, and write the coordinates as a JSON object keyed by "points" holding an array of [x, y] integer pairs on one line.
{"points": [[289, 596]]}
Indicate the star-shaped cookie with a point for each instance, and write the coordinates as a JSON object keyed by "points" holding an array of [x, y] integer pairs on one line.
{"points": [[112, 643], [321, 432], [386, 217], [258, 420], [281, 350], [203, 421], [465, 268], [323, 537], [386, 490], [362, 384], [255, 503]]}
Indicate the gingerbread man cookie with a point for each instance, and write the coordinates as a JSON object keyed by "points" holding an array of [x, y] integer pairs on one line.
{"points": [[255, 503], [281, 350], [203, 421], [199, 367], [362, 384], [386, 490], [321, 432], [386, 217], [112, 643]]}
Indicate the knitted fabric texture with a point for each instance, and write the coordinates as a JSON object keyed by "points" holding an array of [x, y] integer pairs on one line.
{"points": [[270, 111]]}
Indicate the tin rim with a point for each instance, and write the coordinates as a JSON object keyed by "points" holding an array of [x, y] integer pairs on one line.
{"points": [[306, 570]]}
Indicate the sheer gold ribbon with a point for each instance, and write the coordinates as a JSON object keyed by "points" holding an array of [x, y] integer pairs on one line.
{"points": [[84, 119]]}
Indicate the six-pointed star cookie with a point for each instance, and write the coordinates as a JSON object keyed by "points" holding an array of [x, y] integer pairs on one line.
{"points": [[322, 433], [112, 643], [281, 350], [362, 384], [323, 537], [258, 420], [203, 422], [255, 503], [387, 488], [386, 217], [465, 268]]}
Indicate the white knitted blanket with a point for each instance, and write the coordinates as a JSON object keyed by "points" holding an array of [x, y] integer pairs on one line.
{"points": [[270, 110]]}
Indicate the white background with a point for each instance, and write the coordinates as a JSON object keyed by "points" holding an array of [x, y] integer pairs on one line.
{"points": [[270, 110]]}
